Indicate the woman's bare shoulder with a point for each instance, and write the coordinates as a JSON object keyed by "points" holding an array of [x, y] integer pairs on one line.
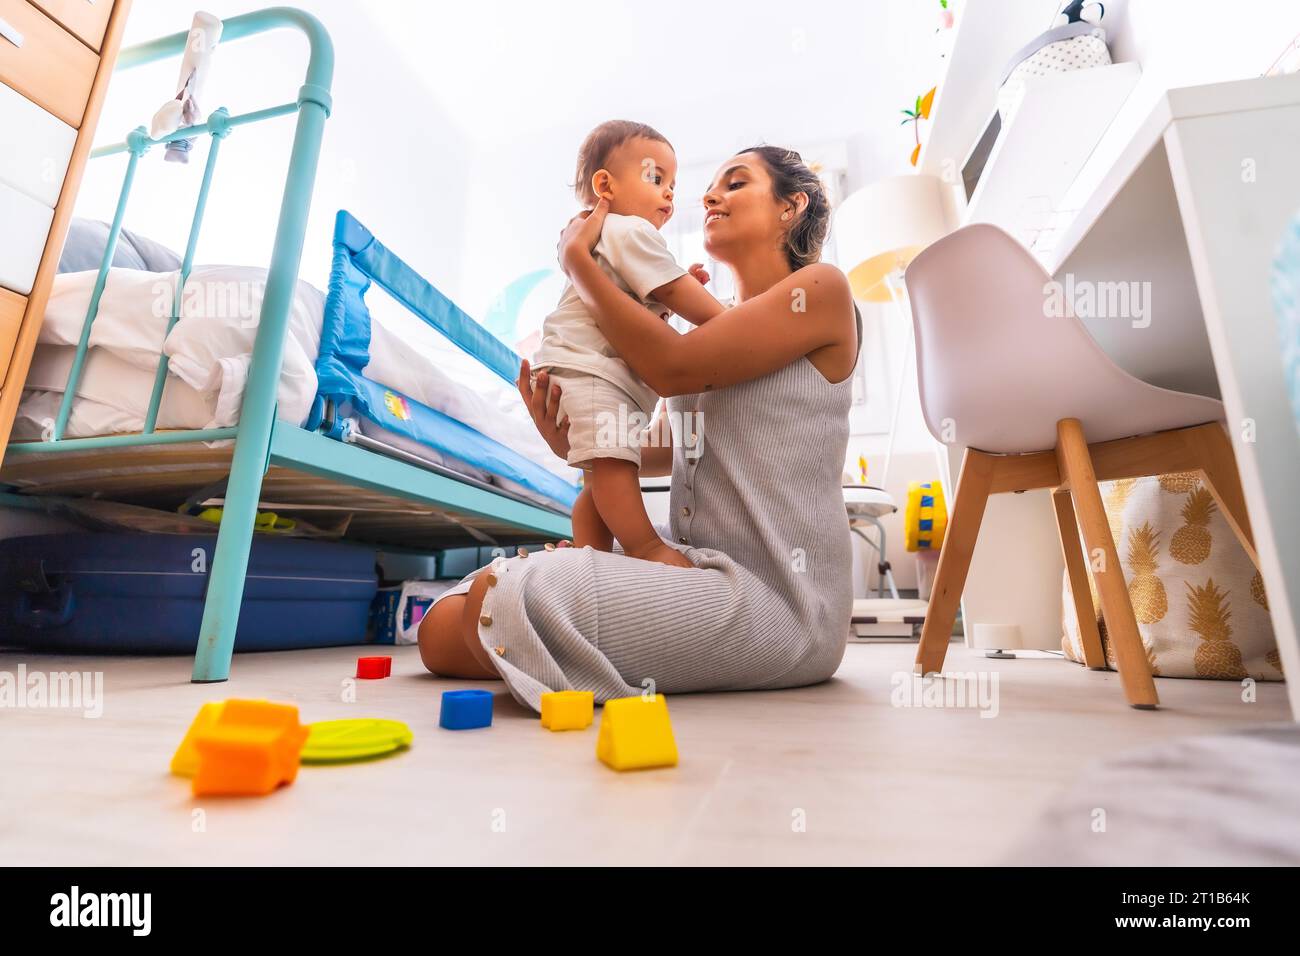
{"points": [[823, 273], [824, 287]]}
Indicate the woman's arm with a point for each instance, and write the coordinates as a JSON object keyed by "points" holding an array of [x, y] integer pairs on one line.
{"points": [[803, 312]]}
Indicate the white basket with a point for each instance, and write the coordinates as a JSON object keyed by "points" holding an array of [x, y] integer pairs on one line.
{"points": [[1075, 46]]}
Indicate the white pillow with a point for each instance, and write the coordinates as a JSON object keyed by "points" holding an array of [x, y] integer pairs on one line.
{"points": [[109, 380], [132, 318], [210, 347]]}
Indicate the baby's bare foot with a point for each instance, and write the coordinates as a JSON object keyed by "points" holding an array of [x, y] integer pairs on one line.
{"points": [[661, 553]]}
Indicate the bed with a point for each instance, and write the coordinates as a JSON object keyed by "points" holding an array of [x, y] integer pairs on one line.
{"points": [[300, 401]]}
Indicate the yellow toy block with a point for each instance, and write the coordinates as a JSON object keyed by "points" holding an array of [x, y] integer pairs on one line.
{"points": [[186, 759], [568, 709], [636, 734], [242, 747]]}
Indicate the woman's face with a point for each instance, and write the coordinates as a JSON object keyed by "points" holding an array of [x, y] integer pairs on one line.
{"points": [[740, 210]]}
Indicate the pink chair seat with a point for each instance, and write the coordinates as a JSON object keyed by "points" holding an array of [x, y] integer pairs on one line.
{"points": [[997, 371]]}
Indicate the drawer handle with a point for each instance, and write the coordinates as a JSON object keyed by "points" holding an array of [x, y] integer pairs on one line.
{"points": [[10, 33]]}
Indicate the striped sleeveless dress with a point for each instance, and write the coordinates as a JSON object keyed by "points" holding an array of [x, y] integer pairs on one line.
{"points": [[759, 512]]}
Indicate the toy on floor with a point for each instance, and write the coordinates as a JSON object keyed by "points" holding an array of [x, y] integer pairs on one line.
{"points": [[636, 734], [465, 709], [374, 668], [341, 741], [568, 709], [926, 518], [241, 747]]}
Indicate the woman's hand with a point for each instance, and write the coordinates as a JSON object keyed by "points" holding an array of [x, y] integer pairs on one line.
{"points": [[543, 404], [582, 233]]}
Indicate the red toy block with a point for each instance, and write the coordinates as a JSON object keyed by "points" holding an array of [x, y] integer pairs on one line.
{"points": [[374, 668]]}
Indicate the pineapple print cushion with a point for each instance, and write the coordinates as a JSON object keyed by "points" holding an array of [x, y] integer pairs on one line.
{"points": [[1199, 602]]}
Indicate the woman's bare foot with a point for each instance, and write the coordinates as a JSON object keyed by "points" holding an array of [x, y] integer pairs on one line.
{"points": [[662, 553]]}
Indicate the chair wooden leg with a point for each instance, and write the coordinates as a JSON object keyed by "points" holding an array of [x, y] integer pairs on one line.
{"points": [[1077, 568], [1219, 467], [1121, 623], [967, 512]]}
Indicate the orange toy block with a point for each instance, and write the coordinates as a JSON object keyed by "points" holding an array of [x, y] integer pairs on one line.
{"points": [[568, 709], [250, 748], [185, 762]]}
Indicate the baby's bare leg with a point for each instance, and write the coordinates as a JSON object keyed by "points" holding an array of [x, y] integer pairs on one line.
{"points": [[616, 493], [588, 526]]}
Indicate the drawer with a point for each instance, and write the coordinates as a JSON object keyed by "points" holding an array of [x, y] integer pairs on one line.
{"points": [[85, 18], [38, 146], [12, 307], [22, 238], [44, 62]]}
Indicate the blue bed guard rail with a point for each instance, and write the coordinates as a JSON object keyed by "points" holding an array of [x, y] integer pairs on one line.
{"points": [[360, 261]]}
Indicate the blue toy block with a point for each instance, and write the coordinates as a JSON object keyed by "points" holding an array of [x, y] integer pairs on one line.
{"points": [[465, 709]]}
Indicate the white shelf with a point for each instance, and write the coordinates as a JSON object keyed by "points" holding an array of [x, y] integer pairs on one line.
{"points": [[988, 33], [1049, 139], [1096, 188]]}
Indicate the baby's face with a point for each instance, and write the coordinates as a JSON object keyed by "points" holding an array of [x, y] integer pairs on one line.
{"points": [[642, 177]]}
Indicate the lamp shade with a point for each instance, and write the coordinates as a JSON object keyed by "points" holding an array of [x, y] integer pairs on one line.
{"points": [[883, 226]]}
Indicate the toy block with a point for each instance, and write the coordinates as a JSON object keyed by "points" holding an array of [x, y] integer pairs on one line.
{"points": [[374, 668], [465, 709], [636, 734], [252, 747], [568, 709], [186, 759]]}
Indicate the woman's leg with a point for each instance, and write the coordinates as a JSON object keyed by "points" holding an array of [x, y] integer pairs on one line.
{"points": [[616, 492], [449, 644]]}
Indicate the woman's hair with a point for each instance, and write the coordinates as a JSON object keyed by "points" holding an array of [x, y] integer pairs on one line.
{"points": [[791, 176], [593, 154]]}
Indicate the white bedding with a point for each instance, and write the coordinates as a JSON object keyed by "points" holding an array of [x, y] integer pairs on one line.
{"points": [[209, 352]]}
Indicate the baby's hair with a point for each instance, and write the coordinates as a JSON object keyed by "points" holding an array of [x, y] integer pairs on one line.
{"points": [[595, 150]]}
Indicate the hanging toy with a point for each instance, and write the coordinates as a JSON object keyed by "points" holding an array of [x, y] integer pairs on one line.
{"points": [[183, 108]]}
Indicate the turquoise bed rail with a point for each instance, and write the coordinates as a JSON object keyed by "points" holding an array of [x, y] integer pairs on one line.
{"points": [[260, 441]]}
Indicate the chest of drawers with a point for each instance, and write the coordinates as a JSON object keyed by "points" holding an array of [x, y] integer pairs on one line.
{"points": [[56, 57]]}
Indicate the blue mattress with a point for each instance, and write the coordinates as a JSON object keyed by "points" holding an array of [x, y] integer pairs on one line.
{"points": [[359, 262]]}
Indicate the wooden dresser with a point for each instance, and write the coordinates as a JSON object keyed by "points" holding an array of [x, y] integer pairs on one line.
{"points": [[56, 58]]}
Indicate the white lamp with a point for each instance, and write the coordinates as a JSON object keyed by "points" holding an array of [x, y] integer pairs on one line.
{"points": [[878, 230]]}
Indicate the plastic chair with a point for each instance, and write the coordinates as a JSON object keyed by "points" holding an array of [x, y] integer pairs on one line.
{"points": [[1038, 404]]}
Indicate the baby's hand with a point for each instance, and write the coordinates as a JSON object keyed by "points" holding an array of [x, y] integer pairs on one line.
{"points": [[697, 270]]}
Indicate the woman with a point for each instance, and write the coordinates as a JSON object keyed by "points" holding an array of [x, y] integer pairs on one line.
{"points": [[764, 390]]}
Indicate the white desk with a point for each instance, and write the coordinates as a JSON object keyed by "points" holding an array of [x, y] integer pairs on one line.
{"points": [[1196, 204]]}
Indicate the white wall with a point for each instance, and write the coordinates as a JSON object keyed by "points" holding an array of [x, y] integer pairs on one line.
{"points": [[1185, 44], [390, 155]]}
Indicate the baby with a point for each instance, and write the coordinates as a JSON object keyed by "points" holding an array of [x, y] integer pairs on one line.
{"points": [[607, 405]]}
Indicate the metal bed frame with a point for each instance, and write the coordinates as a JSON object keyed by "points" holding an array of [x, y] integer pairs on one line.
{"points": [[311, 469]]}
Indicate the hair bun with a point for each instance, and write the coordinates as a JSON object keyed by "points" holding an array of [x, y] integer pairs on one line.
{"points": [[806, 236]]}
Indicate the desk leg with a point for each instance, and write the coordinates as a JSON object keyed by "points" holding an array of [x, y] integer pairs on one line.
{"points": [[1234, 175]]}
